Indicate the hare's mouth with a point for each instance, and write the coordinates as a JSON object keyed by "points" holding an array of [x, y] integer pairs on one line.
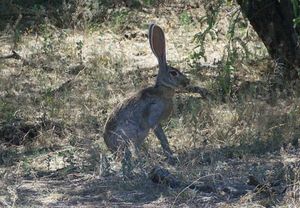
{"points": [[183, 88], [185, 83]]}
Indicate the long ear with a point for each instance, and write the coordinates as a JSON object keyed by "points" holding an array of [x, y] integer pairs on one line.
{"points": [[158, 44]]}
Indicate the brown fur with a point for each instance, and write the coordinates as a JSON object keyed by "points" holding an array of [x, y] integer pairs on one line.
{"points": [[163, 93], [132, 120]]}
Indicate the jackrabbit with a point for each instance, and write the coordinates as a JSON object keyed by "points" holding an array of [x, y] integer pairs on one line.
{"points": [[131, 121]]}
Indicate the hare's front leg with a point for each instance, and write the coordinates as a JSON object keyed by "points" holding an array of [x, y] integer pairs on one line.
{"points": [[159, 133], [154, 114]]}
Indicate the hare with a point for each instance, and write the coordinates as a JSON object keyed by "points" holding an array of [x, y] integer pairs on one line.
{"points": [[131, 121]]}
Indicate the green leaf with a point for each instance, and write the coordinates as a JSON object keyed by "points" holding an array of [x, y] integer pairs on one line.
{"points": [[296, 21]]}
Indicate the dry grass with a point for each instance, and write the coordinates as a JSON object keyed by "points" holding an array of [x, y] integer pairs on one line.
{"points": [[53, 110]]}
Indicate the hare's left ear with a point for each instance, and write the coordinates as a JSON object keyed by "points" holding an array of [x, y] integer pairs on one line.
{"points": [[158, 44]]}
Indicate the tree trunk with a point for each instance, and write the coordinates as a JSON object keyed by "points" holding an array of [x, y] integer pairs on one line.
{"points": [[273, 22]]}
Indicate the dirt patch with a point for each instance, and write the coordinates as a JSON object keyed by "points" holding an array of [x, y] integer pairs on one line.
{"points": [[268, 185]]}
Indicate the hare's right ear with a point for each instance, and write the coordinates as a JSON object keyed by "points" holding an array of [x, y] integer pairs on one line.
{"points": [[158, 44]]}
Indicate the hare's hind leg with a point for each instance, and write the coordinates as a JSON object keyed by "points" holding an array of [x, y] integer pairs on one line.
{"points": [[130, 159], [127, 166], [159, 133]]}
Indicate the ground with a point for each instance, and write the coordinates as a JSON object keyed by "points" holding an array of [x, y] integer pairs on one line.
{"points": [[56, 98]]}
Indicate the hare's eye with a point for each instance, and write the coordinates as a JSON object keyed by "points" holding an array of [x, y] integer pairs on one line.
{"points": [[174, 73]]}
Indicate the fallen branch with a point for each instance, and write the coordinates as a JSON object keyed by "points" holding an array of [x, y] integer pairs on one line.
{"points": [[16, 56], [161, 175]]}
